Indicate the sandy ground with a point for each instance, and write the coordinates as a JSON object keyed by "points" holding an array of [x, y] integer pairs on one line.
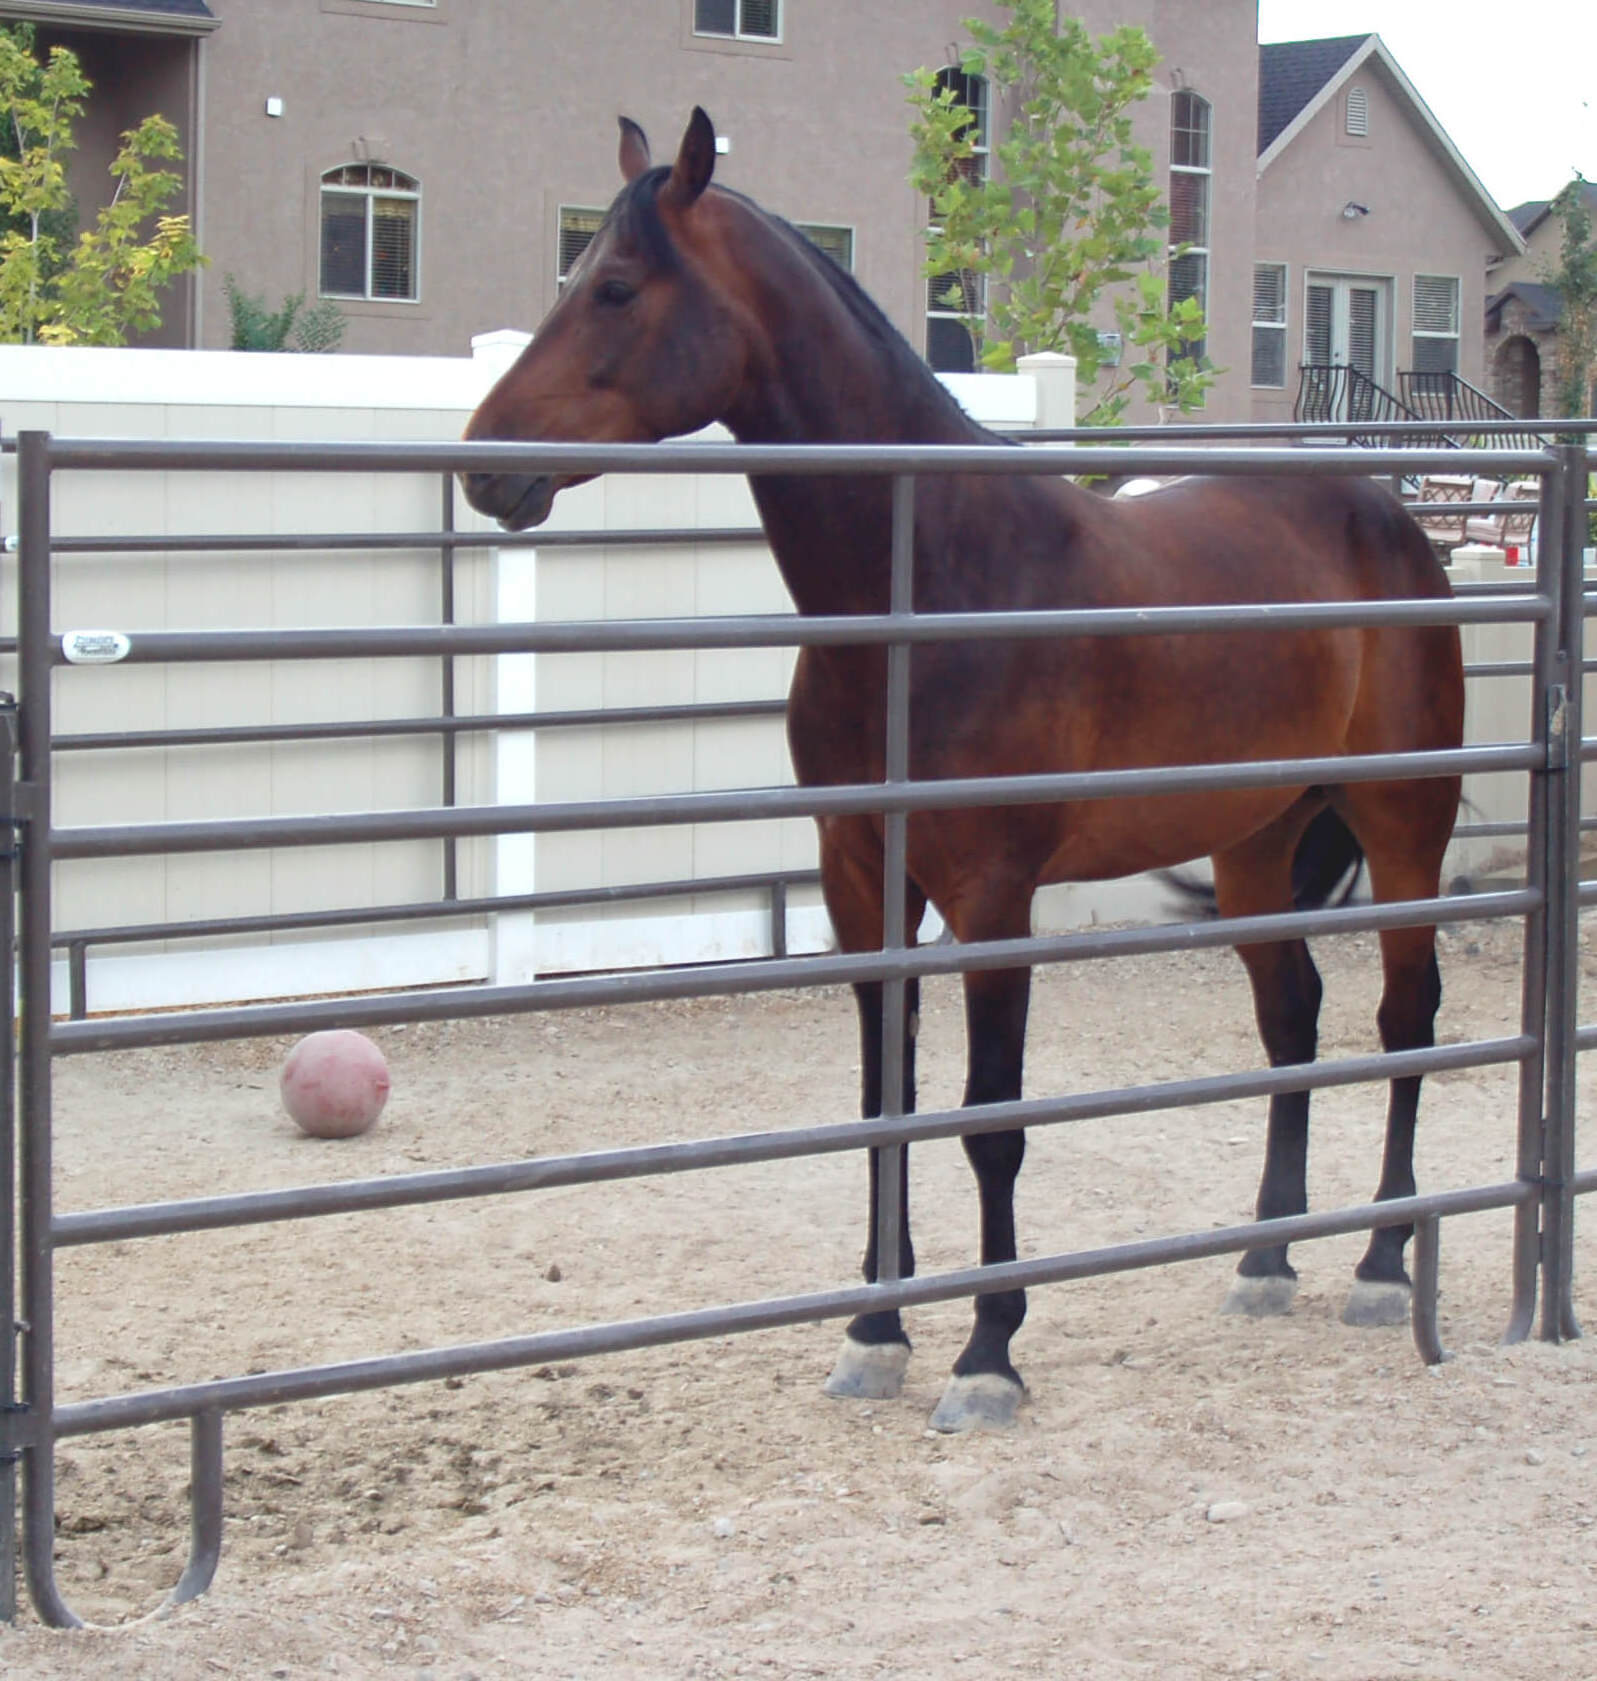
{"points": [[1184, 1495]]}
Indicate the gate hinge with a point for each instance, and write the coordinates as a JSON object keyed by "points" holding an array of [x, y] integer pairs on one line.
{"points": [[1558, 727], [14, 1432]]}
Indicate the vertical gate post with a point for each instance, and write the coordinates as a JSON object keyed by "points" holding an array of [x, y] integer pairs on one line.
{"points": [[10, 1412], [1549, 681], [1563, 902], [450, 745], [895, 935], [33, 1086]]}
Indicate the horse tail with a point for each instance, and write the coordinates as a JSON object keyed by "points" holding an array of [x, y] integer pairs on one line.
{"points": [[1325, 869]]}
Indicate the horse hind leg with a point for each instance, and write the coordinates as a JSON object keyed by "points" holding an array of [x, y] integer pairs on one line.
{"points": [[1255, 879], [1405, 862]]}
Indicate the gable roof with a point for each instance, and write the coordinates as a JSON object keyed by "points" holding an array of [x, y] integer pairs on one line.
{"points": [[1544, 305], [1291, 73], [1528, 217], [1334, 62], [140, 17]]}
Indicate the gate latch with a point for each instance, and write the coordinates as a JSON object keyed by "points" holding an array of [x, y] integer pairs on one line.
{"points": [[1558, 727]]}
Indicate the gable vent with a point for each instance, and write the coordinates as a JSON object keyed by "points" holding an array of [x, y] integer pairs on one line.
{"points": [[1358, 111]]}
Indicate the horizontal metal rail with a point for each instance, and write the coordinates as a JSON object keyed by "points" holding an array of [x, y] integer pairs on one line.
{"points": [[330, 542], [758, 804], [119, 1412], [746, 1149], [769, 974], [788, 630], [239, 735], [164, 455], [431, 910]]}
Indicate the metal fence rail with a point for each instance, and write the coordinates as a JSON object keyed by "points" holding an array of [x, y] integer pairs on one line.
{"points": [[1541, 1194]]}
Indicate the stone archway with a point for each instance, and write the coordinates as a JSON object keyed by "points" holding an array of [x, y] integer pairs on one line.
{"points": [[1517, 376]]}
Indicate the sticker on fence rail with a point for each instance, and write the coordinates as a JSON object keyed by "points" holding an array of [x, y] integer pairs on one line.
{"points": [[94, 647]]}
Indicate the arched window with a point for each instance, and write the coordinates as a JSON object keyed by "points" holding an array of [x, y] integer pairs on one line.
{"points": [[370, 224], [1190, 180], [956, 302]]}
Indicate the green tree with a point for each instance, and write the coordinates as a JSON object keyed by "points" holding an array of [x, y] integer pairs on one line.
{"points": [[258, 327], [1070, 211], [1575, 278], [101, 284]]}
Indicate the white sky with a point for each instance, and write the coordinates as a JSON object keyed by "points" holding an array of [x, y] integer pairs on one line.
{"points": [[1515, 86]]}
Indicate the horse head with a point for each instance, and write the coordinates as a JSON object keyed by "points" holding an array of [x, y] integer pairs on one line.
{"points": [[642, 343]]}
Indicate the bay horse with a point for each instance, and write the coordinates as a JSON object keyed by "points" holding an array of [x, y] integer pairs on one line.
{"points": [[691, 305]]}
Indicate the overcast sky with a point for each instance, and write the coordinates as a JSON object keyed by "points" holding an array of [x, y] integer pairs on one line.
{"points": [[1516, 90]]}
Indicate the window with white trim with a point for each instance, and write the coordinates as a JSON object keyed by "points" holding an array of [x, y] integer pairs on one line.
{"points": [[1191, 178], [370, 226], [1435, 347], [739, 20], [956, 302], [577, 228], [836, 242], [1357, 111], [1269, 324]]}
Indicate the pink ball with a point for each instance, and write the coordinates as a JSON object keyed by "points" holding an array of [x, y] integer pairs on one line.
{"points": [[334, 1084]]}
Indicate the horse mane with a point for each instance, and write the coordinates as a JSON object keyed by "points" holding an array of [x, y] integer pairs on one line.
{"points": [[637, 213]]}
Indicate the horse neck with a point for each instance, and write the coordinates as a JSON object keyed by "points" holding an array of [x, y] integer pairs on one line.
{"points": [[823, 374]]}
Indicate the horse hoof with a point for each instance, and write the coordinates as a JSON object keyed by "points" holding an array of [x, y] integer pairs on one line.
{"points": [[1370, 1303], [868, 1371], [1260, 1298], [985, 1401]]}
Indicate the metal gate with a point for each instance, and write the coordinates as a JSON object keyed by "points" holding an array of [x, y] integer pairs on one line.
{"points": [[1541, 1194]]}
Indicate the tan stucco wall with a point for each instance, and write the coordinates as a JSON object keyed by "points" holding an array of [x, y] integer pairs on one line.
{"points": [[505, 111], [1419, 222]]}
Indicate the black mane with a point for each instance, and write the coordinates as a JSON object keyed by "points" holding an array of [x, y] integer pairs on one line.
{"points": [[635, 214]]}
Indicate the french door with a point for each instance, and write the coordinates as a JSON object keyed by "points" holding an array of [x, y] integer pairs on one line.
{"points": [[1347, 328]]}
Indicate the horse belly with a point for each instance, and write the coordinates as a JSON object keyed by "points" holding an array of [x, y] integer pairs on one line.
{"points": [[1102, 840]]}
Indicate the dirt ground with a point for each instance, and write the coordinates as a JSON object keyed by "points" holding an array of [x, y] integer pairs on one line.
{"points": [[1184, 1494]]}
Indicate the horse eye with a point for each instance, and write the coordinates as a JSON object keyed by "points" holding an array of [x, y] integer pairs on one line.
{"points": [[613, 292]]}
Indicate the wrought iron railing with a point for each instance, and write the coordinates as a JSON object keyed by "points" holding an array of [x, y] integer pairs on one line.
{"points": [[1445, 396]]}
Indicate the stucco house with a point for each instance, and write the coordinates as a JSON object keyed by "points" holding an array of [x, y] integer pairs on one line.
{"points": [[435, 166], [1524, 311], [1373, 239]]}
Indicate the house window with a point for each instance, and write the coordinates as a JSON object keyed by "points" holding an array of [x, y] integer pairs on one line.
{"points": [[956, 302], [837, 243], [370, 223], [1435, 324], [739, 20], [1190, 180], [1358, 111], [1269, 324], [577, 228]]}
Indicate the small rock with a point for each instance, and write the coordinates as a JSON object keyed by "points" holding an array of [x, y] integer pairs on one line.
{"points": [[1227, 1511], [553, 1275], [723, 1529], [1535, 1456]]}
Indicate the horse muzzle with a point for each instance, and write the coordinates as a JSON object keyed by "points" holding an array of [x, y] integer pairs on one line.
{"points": [[517, 500]]}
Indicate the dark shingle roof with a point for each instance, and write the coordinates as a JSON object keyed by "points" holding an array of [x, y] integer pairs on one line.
{"points": [[1523, 215], [175, 8], [1291, 73], [1544, 305], [180, 16], [1531, 215]]}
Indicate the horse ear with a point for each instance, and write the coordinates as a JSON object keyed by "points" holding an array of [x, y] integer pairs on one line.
{"points": [[634, 150], [695, 163]]}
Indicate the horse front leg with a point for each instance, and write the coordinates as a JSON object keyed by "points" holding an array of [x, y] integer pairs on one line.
{"points": [[875, 1353], [985, 1389]]}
